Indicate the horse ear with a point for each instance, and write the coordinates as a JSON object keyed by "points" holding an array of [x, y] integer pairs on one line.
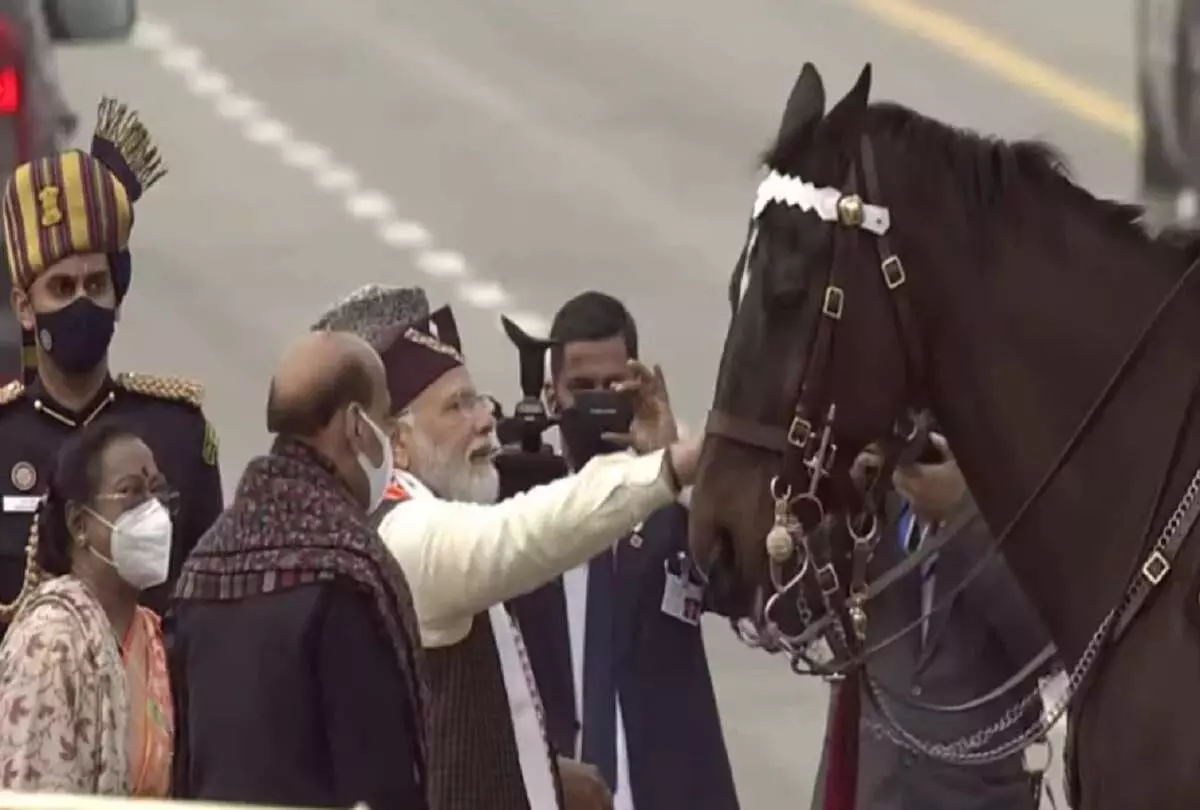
{"points": [[846, 116], [805, 105]]}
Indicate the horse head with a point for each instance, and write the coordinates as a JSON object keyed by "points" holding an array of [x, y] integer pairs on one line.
{"points": [[833, 344], [820, 358], [1054, 341]]}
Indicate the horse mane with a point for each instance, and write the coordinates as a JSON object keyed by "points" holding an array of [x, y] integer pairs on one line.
{"points": [[990, 170]]}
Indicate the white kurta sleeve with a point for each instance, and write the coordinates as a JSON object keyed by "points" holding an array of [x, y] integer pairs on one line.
{"points": [[461, 558]]}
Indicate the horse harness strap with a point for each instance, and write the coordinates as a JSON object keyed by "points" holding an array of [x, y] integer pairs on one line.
{"points": [[1157, 563], [809, 452], [894, 574], [1161, 557], [1154, 568], [850, 213], [745, 431], [894, 276], [905, 567], [808, 455], [1024, 674]]}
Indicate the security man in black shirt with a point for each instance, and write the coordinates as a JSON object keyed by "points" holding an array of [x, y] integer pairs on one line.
{"points": [[67, 221]]}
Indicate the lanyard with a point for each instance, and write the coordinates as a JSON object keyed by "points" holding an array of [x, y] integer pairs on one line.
{"points": [[908, 525], [910, 543]]}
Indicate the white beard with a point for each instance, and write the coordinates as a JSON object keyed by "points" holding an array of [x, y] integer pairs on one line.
{"points": [[452, 478]]}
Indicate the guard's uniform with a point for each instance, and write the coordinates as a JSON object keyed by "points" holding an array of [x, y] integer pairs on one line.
{"points": [[53, 208], [164, 410]]}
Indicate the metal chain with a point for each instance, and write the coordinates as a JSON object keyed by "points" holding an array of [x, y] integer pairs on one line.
{"points": [[769, 637], [773, 640], [962, 751]]}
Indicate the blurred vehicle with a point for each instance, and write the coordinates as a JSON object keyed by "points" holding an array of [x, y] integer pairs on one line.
{"points": [[35, 118], [1168, 66]]}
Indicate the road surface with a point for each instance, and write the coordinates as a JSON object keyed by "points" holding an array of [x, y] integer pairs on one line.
{"points": [[508, 154]]}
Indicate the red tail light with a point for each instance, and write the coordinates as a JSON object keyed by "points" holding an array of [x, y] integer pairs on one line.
{"points": [[10, 91]]}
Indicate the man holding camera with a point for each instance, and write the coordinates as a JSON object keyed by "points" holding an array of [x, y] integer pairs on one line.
{"points": [[630, 645], [464, 554]]}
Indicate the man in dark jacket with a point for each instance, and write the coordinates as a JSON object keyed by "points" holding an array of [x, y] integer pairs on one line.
{"points": [[295, 659], [616, 642], [985, 636]]}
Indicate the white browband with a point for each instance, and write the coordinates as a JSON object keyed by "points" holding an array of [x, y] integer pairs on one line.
{"points": [[787, 189]]}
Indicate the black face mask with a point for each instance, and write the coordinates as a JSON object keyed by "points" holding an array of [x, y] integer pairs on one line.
{"points": [[77, 336], [581, 437]]}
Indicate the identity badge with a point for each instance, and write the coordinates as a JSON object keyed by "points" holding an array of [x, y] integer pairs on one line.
{"points": [[683, 598]]}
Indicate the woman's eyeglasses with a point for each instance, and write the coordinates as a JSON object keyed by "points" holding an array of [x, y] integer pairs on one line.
{"points": [[134, 496]]}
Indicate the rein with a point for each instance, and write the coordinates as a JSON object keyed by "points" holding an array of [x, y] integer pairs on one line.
{"points": [[803, 531]]}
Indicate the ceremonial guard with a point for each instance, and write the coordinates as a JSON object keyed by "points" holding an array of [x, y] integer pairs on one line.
{"points": [[67, 221]]}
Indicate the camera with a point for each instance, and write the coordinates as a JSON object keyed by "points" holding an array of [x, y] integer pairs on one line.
{"points": [[525, 460], [529, 419]]}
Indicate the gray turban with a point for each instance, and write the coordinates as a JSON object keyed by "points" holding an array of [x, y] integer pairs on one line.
{"points": [[374, 311]]}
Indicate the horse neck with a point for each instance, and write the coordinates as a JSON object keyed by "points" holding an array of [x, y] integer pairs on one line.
{"points": [[1025, 342]]}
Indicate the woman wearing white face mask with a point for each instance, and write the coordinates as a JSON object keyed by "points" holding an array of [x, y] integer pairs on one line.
{"points": [[84, 690]]}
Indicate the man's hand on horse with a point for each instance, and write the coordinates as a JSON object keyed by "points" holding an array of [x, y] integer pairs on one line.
{"points": [[653, 426], [933, 490], [583, 786]]}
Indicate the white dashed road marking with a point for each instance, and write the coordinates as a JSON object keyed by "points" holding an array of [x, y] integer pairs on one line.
{"points": [[360, 202], [405, 234], [483, 294], [442, 263]]}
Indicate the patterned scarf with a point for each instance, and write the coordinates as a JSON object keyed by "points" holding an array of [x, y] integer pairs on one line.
{"points": [[293, 522]]}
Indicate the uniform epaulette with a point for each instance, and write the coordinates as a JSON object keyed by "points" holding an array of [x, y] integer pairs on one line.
{"points": [[12, 392], [178, 389]]}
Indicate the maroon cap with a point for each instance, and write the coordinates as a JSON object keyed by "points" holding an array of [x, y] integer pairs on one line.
{"points": [[419, 355]]}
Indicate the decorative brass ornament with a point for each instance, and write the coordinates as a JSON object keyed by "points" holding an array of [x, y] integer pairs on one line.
{"points": [[780, 543], [858, 618], [850, 210]]}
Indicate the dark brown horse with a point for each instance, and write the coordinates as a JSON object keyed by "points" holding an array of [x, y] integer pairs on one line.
{"points": [[897, 264]]}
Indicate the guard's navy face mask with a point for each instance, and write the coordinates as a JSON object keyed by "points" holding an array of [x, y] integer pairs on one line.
{"points": [[77, 336]]}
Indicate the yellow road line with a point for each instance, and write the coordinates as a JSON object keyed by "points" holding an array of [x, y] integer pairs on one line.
{"points": [[976, 46]]}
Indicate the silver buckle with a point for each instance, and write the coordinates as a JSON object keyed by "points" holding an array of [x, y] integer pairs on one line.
{"points": [[1156, 567]]}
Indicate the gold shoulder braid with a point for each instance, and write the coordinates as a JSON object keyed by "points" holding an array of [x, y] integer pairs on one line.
{"points": [[12, 392], [33, 573], [120, 126], [177, 389], [9, 394]]}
